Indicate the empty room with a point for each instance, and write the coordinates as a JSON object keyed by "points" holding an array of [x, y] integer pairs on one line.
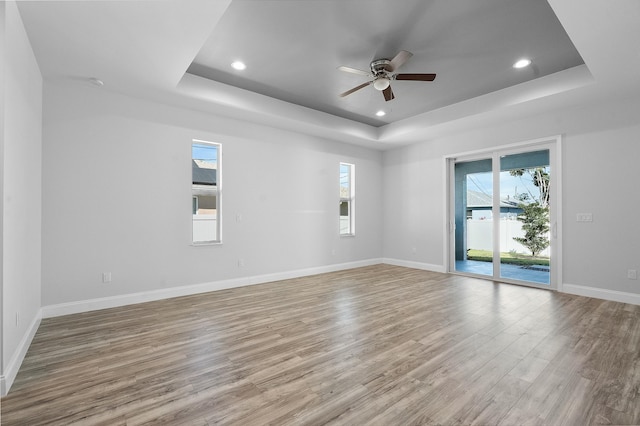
{"points": [[345, 212]]}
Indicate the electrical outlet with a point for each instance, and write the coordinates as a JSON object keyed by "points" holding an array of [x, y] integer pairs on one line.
{"points": [[241, 263], [106, 277], [632, 274]]}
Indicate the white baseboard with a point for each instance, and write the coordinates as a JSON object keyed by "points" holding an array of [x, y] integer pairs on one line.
{"points": [[414, 265], [601, 293], [187, 290], [6, 380]]}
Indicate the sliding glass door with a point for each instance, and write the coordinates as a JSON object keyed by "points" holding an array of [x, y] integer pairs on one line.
{"points": [[524, 217], [474, 217], [501, 216]]}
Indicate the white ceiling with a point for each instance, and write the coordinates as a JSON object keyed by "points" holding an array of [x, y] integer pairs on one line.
{"points": [[292, 49]]}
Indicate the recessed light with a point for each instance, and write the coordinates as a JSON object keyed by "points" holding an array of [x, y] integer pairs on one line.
{"points": [[522, 63], [238, 65], [381, 113]]}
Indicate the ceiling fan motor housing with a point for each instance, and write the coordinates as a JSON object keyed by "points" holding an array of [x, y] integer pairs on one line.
{"points": [[380, 66]]}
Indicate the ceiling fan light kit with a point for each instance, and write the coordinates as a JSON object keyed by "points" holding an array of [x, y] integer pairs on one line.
{"points": [[381, 83], [382, 72]]}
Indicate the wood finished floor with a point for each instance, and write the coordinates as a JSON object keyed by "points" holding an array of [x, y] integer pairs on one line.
{"points": [[380, 345]]}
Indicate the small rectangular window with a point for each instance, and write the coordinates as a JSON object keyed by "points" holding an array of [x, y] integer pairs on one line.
{"points": [[205, 189], [347, 199]]}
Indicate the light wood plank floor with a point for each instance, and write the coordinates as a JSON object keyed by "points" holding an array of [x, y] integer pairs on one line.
{"points": [[379, 345]]}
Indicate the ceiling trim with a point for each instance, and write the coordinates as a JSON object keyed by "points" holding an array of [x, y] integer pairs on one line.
{"points": [[246, 105]]}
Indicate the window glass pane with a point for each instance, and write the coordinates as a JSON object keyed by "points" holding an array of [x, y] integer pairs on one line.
{"points": [[344, 181], [206, 204], [204, 164], [345, 218], [205, 167], [474, 217], [346, 199], [524, 217]]}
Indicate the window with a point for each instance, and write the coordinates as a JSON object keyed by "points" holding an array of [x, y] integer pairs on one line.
{"points": [[205, 191], [347, 226]]}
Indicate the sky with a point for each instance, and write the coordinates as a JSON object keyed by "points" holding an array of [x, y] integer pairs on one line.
{"points": [[509, 185], [204, 152]]}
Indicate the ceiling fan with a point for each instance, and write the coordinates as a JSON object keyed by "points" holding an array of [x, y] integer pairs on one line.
{"points": [[382, 72]]}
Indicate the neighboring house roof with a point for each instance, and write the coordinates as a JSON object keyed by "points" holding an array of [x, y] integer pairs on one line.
{"points": [[203, 172], [479, 200]]}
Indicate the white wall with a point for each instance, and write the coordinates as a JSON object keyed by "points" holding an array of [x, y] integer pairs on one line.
{"points": [[412, 211], [21, 193], [108, 157], [600, 155], [3, 60], [601, 170]]}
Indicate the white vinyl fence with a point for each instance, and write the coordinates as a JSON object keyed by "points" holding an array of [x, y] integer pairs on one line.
{"points": [[480, 236], [204, 228]]}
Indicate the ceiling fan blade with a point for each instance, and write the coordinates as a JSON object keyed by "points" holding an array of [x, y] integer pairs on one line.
{"points": [[348, 92], [388, 94], [355, 71], [402, 57], [415, 77]]}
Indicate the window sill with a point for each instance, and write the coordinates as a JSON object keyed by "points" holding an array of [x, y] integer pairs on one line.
{"points": [[206, 243]]}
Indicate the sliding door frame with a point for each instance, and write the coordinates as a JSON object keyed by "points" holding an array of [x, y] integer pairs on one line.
{"points": [[554, 145]]}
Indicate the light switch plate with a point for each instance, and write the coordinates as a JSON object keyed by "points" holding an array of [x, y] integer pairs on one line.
{"points": [[584, 217]]}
